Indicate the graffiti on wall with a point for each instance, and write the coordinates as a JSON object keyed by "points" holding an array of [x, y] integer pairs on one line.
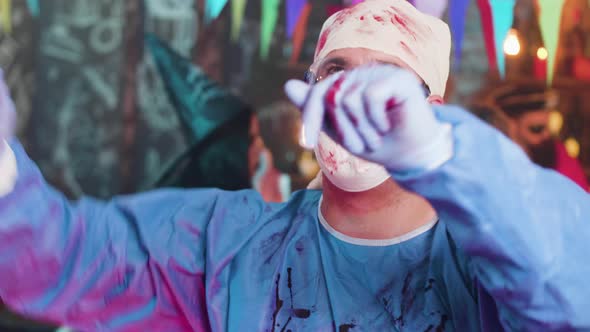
{"points": [[81, 119], [74, 127]]}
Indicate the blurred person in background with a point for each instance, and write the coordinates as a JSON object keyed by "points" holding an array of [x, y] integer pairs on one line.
{"points": [[523, 111]]}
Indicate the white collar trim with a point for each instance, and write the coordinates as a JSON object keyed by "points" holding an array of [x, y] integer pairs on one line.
{"points": [[370, 242]]}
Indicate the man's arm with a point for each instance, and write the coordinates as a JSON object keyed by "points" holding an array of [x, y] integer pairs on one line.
{"points": [[526, 228], [132, 264]]}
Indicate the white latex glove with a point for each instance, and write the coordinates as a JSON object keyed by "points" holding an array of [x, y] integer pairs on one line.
{"points": [[7, 124], [378, 113]]}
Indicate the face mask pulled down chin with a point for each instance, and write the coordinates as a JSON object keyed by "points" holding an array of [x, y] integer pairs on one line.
{"points": [[346, 171]]}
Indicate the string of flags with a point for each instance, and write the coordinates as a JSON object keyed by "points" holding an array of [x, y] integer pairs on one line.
{"points": [[5, 15], [496, 21], [549, 19]]}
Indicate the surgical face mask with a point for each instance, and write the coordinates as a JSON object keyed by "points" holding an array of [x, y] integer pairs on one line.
{"points": [[345, 170]]}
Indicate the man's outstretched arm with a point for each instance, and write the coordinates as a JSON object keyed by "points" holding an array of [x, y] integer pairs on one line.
{"points": [[526, 229]]}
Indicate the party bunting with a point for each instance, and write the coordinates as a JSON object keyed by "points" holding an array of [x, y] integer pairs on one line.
{"points": [[5, 15], [299, 33], [33, 7], [549, 20], [457, 15], [294, 9], [431, 7], [487, 26], [213, 9], [238, 8], [270, 15], [502, 15]]}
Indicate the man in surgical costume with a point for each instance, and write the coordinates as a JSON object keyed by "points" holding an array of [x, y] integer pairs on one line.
{"points": [[451, 227]]}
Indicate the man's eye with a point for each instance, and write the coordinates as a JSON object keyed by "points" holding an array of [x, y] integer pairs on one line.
{"points": [[333, 70]]}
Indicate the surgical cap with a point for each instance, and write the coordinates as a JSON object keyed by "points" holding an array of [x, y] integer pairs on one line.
{"points": [[396, 28]]}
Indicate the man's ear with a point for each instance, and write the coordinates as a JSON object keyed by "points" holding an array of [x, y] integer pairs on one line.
{"points": [[435, 100]]}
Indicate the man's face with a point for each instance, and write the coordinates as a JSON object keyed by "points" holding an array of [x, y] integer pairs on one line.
{"points": [[350, 58], [346, 171]]}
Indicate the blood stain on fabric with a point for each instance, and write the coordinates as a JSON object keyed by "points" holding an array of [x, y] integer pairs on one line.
{"points": [[302, 313], [343, 15], [391, 104], [402, 21], [378, 18], [407, 49], [329, 159], [286, 324], [278, 303], [339, 19], [299, 313], [322, 41], [346, 327]]}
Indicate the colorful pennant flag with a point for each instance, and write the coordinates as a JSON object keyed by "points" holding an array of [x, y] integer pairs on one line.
{"points": [[487, 26], [299, 33], [502, 16], [34, 7], [549, 21], [213, 9], [294, 9], [270, 15], [238, 8], [431, 7], [5, 15], [457, 15]]}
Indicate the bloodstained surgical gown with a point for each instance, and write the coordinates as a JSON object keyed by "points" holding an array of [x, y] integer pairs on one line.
{"points": [[508, 251]]}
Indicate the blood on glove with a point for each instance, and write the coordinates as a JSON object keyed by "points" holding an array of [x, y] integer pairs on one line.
{"points": [[377, 112]]}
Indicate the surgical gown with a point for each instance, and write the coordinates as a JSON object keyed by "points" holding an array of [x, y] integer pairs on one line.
{"points": [[509, 251]]}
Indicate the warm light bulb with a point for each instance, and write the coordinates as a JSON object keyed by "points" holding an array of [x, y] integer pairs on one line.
{"points": [[511, 43], [555, 122], [542, 53], [572, 147]]}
